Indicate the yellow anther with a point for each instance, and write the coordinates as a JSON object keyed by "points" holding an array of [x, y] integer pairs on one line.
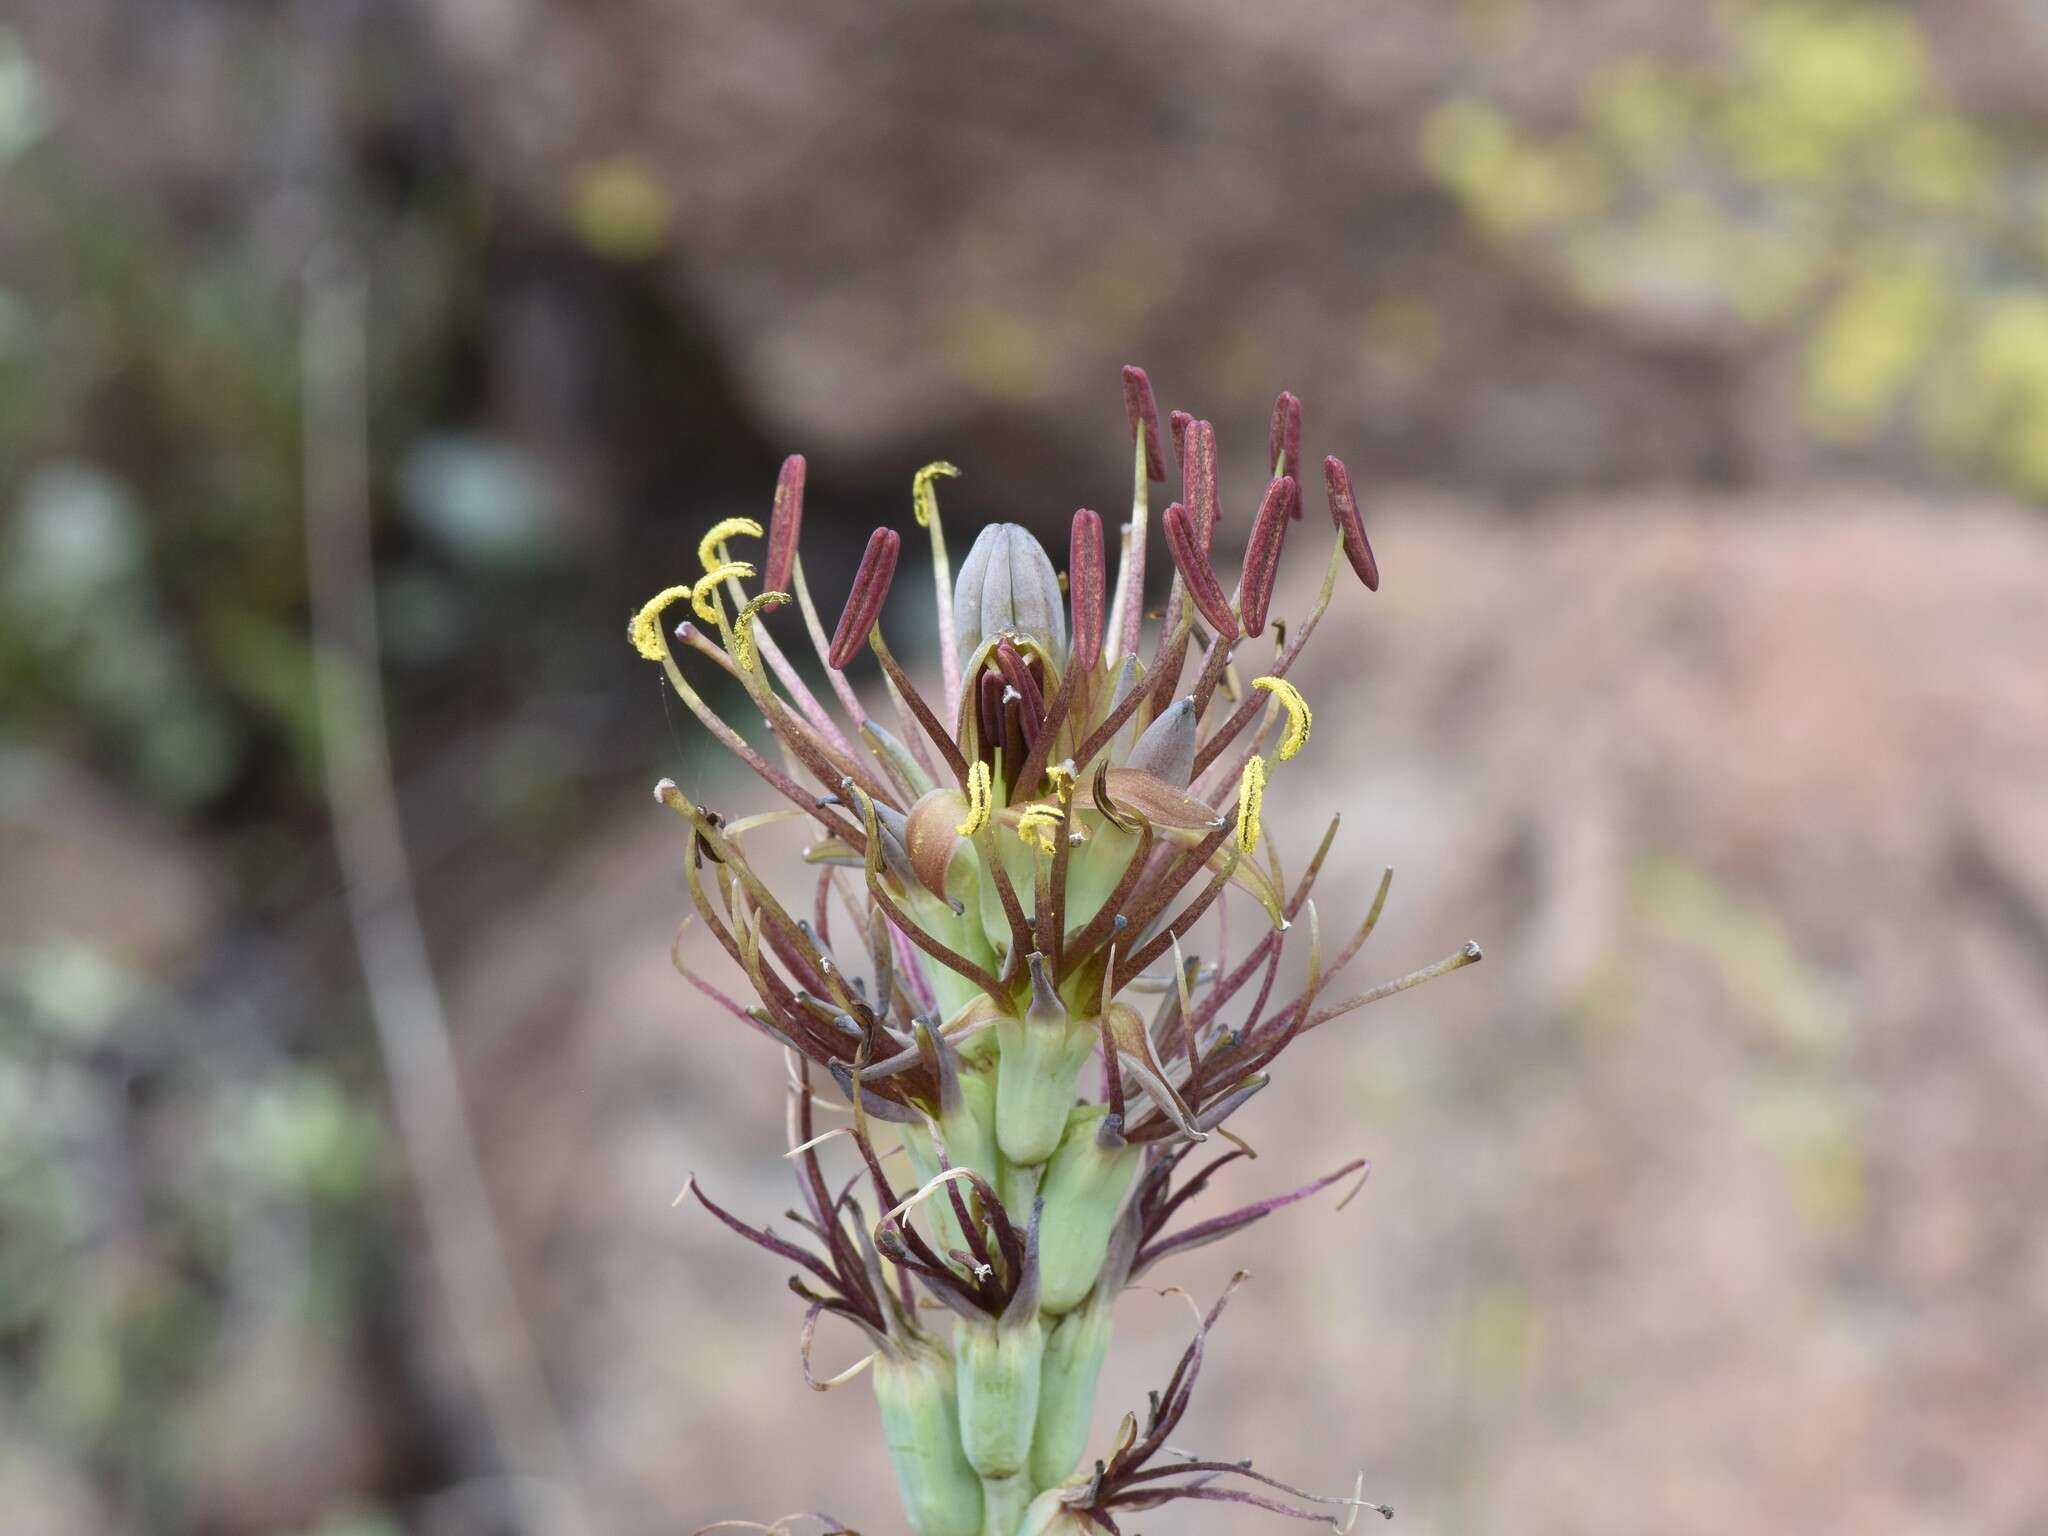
{"points": [[924, 501], [980, 801], [1251, 790], [1036, 825], [645, 630], [1298, 718], [709, 583], [743, 627], [711, 548]]}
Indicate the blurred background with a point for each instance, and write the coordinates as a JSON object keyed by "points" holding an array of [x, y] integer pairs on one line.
{"points": [[1696, 358]]}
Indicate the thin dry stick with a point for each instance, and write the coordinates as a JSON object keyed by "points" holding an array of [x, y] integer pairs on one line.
{"points": [[404, 999]]}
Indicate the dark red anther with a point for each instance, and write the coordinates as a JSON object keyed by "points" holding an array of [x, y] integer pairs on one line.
{"points": [[1350, 526], [785, 524], [1084, 587], [1283, 438], [1184, 539], [1198, 479], [989, 704], [1143, 412], [864, 602], [1262, 554], [1018, 675], [1177, 424]]}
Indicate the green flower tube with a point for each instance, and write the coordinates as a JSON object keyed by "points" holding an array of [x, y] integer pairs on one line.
{"points": [[970, 1128], [1004, 1502], [914, 1387], [1041, 1056], [1084, 1188], [997, 1374], [1066, 1393], [1073, 1361]]}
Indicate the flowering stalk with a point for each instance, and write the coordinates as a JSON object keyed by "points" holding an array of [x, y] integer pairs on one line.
{"points": [[1025, 867]]}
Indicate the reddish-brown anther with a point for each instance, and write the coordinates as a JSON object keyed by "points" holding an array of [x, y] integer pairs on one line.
{"points": [[1262, 554], [785, 525], [864, 602], [1184, 539], [1143, 411], [989, 702], [1030, 701], [1350, 526], [1177, 424], [1084, 587], [1283, 438], [1198, 479]]}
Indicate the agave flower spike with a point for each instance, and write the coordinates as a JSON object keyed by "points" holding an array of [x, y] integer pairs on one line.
{"points": [[1035, 859]]}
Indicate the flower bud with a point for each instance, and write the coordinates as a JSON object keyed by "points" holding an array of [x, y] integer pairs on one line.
{"points": [[1167, 749], [1041, 1055], [915, 1388], [1007, 585], [1083, 1189], [996, 1372]]}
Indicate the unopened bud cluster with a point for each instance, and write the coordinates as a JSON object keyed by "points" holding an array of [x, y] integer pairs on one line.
{"points": [[992, 958]]}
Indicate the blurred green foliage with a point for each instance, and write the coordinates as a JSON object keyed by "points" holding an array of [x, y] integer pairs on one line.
{"points": [[195, 1180], [170, 1189], [1810, 187]]}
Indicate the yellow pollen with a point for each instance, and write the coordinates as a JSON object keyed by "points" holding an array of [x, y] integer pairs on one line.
{"points": [[1251, 790], [979, 800], [645, 630], [709, 583], [711, 548], [1298, 718], [924, 501], [1036, 825], [743, 627]]}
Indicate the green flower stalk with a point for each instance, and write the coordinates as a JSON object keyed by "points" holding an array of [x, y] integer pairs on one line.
{"points": [[1017, 869]]}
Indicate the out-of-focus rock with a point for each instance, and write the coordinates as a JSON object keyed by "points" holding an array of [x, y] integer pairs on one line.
{"points": [[1699, 1205], [910, 224]]}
